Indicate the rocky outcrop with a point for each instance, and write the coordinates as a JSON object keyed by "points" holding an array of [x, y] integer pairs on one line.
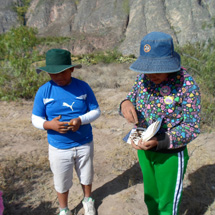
{"points": [[107, 24], [185, 20], [8, 17]]}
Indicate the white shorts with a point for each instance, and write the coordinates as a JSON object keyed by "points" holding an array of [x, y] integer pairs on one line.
{"points": [[62, 162]]}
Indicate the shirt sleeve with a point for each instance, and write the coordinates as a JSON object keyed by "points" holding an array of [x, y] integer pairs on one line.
{"points": [[38, 121], [91, 100], [189, 128], [90, 116], [39, 107]]}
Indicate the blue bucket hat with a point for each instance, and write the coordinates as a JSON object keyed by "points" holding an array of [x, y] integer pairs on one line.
{"points": [[57, 60], [157, 55]]}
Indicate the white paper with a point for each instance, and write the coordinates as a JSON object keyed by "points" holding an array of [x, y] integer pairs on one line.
{"points": [[145, 135]]}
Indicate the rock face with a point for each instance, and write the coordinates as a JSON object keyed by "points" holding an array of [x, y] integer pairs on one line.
{"points": [[107, 24], [8, 17]]}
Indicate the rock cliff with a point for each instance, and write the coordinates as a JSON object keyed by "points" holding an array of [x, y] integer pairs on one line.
{"points": [[8, 17], [107, 24]]}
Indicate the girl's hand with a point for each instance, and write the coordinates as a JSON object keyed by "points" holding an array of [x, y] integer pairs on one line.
{"points": [[135, 146], [129, 112], [74, 124], [145, 145]]}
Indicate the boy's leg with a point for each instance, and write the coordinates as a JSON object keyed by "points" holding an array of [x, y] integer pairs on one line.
{"points": [[149, 181], [84, 166], [63, 199], [61, 163], [87, 190], [84, 169], [170, 170]]}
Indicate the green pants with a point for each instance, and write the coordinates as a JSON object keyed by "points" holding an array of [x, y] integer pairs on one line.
{"points": [[163, 180]]}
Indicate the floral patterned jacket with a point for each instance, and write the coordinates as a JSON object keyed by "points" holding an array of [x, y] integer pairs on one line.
{"points": [[176, 101]]}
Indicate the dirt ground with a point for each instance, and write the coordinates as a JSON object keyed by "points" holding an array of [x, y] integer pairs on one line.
{"points": [[118, 189]]}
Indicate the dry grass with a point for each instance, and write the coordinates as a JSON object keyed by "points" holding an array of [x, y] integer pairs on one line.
{"points": [[19, 181], [107, 77]]}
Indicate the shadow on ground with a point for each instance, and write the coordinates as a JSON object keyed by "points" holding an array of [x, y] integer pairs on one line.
{"points": [[201, 193], [194, 201], [127, 179], [45, 208]]}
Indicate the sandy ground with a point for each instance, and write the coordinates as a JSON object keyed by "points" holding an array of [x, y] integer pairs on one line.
{"points": [[117, 187]]}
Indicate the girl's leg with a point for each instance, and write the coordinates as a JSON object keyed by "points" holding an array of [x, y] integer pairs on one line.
{"points": [[169, 172], [149, 181], [163, 177]]}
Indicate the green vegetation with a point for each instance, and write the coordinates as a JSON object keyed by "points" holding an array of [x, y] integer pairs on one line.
{"points": [[18, 59], [17, 53], [106, 57], [126, 6], [21, 8], [199, 59], [209, 25], [19, 56]]}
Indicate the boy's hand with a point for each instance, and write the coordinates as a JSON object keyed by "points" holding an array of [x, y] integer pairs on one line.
{"points": [[74, 124], [56, 125]]}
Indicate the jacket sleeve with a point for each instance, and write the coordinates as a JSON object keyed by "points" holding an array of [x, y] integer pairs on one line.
{"points": [[131, 96], [189, 128], [133, 93]]}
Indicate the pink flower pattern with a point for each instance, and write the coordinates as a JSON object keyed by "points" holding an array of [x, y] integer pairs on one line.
{"points": [[180, 109]]}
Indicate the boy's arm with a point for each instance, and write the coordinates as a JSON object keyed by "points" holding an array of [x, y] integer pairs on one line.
{"points": [[54, 124], [38, 121], [74, 124], [90, 116]]}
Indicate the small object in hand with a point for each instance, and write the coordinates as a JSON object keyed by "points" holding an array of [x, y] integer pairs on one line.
{"points": [[70, 123]]}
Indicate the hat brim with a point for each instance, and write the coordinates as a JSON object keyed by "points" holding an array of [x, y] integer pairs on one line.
{"points": [[157, 65], [54, 69]]}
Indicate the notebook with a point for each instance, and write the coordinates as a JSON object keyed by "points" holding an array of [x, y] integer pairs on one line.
{"points": [[140, 133]]}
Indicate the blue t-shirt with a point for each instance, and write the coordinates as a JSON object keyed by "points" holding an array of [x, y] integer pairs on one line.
{"points": [[70, 102]]}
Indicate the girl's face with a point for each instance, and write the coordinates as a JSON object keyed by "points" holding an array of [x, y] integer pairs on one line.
{"points": [[62, 78], [157, 78]]}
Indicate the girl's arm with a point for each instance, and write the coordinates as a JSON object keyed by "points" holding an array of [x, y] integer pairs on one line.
{"points": [[189, 128]]}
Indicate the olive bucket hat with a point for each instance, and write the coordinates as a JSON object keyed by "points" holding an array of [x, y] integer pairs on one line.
{"points": [[157, 55], [57, 60]]}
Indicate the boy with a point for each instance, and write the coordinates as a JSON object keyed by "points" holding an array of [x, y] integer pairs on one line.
{"points": [[65, 107]]}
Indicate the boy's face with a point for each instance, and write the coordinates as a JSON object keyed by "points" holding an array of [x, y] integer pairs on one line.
{"points": [[157, 78], [62, 78]]}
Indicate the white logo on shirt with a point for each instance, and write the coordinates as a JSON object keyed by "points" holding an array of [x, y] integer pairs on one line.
{"points": [[70, 106], [47, 100], [82, 96]]}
